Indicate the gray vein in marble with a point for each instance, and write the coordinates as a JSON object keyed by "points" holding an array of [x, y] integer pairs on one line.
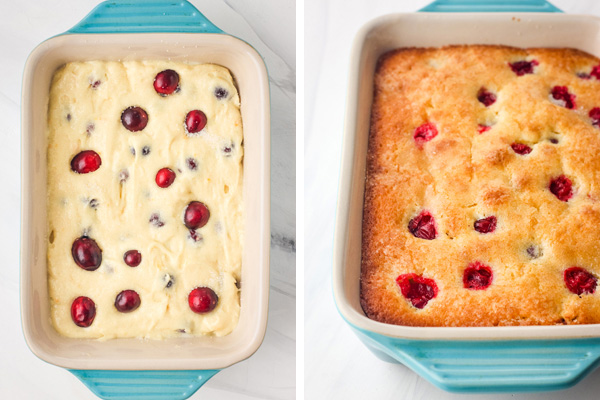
{"points": [[284, 242]]}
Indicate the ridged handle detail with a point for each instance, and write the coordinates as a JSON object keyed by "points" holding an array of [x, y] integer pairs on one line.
{"points": [[145, 16], [144, 385], [491, 365]]}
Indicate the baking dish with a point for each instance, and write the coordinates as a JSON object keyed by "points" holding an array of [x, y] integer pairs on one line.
{"points": [[456, 359], [135, 30]]}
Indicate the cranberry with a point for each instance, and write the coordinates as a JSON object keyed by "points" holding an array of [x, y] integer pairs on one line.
{"points": [[485, 225], [133, 258], [477, 276], [127, 301], [196, 215], [425, 133], [483, 128], [165, 177], [523, 67], [86, 253], [416, 288], [228, 150], [423, 226], [521, 148], [85, 162], [191, 163], [553, 140], [156, 221], [563, 97], [195, 236], [562, 188], [486, 97], [221, 93], [595, 116], [595, 72], [134, 119], [83, 311], [579, 281], [195, 121], [202, 300], [166, 82]]}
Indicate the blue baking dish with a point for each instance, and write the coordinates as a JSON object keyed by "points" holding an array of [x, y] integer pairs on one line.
{"points": [[470, 360], [135, 368]]}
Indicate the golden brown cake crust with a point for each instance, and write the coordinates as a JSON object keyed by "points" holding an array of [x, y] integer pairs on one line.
{"points": [[462, 175]]}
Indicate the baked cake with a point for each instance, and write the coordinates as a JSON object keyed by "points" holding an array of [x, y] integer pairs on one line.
{"points": [[144, 200], [482, 196]]}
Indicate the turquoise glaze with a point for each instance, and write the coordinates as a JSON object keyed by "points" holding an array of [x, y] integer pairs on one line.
{"points": [[490, 6], [144, 385], [490, 365], [144, 16], [485, 366]]}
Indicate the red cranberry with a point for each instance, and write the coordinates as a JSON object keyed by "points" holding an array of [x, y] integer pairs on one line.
{"points": [[477, 276], [563, 97], [521, 148], [425, 133], [595, 116], [191, 163], [523, 67], [134, 119], [165, 177], [156, 221], [166, 82], [202, 300], [486, 97], [485, 225], [85, 162], [579, 281], [195, 121], [595, 72], [423, 226], [483, 128], [83, 311], [416, 288], [562, 188], [196, 215], [127, 301], [133, 258], [195, 236], [86, 253]]}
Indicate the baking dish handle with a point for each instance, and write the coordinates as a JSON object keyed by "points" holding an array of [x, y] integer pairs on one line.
{"points": [[490, 366], [490, 6], [141, 385], [144, 16]]}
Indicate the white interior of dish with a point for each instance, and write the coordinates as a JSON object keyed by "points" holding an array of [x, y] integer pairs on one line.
{"points": [[426, 30], [180, 353]]}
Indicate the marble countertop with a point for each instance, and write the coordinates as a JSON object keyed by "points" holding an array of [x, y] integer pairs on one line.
{"points": [[269, 26], [337, 365]]}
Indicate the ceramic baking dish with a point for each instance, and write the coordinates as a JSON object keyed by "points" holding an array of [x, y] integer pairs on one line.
{"points": [[456, 359], [128, 30]]}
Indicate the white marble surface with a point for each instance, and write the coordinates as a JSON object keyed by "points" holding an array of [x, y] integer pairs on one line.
{"points": [[337, 365], [269, 26]]}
